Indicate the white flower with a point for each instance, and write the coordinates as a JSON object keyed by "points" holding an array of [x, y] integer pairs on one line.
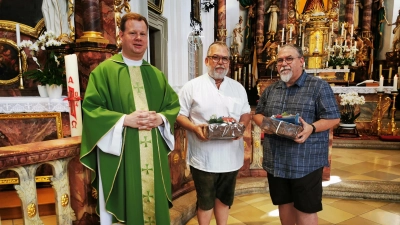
{"points": [[351, 98]]}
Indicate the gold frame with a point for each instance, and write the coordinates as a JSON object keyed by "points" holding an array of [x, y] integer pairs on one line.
{"points": [[56, 115], [24, 65], [196, 10], [25, 29], [156, 7]]}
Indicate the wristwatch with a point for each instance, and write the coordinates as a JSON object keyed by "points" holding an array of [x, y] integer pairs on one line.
{"points": [[313, 128]]}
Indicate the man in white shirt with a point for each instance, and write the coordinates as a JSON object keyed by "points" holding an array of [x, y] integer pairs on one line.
{"points": [[214, 164]]}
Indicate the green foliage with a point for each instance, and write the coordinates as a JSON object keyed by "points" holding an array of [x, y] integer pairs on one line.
{"points": [[52, 72]]}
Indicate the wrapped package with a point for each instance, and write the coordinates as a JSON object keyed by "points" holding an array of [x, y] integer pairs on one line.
{"points": [[223, 130], [281, 128]]}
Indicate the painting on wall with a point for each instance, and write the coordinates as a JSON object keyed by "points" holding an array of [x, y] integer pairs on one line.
{"points": [[156, 5], [9, 62]]}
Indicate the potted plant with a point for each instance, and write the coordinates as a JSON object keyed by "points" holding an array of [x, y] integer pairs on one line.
{"points": [[348, 103], [348, 62], [51, 73]]}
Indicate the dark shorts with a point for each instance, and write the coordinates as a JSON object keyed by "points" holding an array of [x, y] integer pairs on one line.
{"points": [[210, 186], [305, 192]]}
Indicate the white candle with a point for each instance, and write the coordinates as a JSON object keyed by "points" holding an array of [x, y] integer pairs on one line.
{"points": [[342, 32], [18, 34], [302, 41], [283, 34], [74, 94], [380, 69], [240, 73], [390, 75], [352, 30], [332, 27], [278, 48], [235, 75], [381, 83], [395, 83], [290, 32]]}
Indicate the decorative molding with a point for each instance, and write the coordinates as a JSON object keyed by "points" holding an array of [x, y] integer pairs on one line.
{"points": [[32, 104], [25, 29], [159, 24]]}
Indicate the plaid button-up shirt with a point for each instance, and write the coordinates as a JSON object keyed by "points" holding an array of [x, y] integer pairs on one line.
{"points": [[313, 99]]}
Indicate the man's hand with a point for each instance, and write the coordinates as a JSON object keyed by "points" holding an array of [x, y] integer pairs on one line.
{"points": [[307, 130], [143, 120], [198, 130]]}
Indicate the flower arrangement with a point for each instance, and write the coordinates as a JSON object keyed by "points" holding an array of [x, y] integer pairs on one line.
{"points": [[52, 71], [349, 101]]}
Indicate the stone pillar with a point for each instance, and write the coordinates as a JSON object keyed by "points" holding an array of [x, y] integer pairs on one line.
{"points": [[283, 14], [349, 16], [260, 28], [367, 16], [221, 21], [283, 17], [91, 23]]}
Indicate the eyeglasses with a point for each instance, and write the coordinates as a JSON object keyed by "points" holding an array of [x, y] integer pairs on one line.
{"points": [[216, 58], [288, 60]]}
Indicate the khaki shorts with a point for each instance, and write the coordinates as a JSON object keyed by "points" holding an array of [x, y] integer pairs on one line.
{"points": [[210, 186]]}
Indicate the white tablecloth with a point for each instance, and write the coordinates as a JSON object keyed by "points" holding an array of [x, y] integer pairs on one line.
{"points": [[21, 104], [360, 90]]}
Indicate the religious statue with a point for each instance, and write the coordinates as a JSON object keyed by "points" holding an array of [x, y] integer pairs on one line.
{"points": [[396, 32], [237, 37], [357, 8], [273, 17], [55, 14]]}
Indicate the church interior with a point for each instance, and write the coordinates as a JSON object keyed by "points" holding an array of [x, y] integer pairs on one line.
{"points": [[49, 48]]}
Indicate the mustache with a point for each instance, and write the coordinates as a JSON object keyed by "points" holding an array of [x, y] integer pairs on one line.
{"points": [[285, 68]]}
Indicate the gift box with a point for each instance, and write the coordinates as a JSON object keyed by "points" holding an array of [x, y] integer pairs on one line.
{"points": [[281, 127], [223, 130]]}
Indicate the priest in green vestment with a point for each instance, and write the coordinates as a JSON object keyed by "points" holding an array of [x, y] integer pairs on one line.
{"points": [[129, 111]]}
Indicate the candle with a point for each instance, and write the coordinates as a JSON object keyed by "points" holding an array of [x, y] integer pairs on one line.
{"points": [[300, 29], [395, 83], [290, 32], [352, 30], [390, 75], [283, 34], [380, 69], [380, 83], [342, 29], [332, 27], [302, 42], [278, 48], [235, 75], [398, 70], [240, 74], [75, 115], [18, 34]]}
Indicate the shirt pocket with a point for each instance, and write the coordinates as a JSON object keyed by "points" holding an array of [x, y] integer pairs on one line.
{"points": [[235, 107]]}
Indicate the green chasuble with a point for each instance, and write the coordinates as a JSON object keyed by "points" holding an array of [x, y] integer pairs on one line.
{"points": [[136, 184]]}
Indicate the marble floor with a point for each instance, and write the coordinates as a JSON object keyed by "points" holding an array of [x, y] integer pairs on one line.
{"points": [[347, 164]]}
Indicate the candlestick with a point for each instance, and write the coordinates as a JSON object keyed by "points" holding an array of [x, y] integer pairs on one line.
{"points": [[380, 69], [283, 34], [381, 83], [18, 34], [395, 83], [300, 29], [74, 94], [290, 32]]}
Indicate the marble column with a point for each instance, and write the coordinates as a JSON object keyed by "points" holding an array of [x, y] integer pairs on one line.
{"points": [[349, 15], [283, 17], [221, 21], [91, 22], [367, 16], [260, 28]]}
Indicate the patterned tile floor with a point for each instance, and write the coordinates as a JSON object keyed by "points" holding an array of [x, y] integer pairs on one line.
{"points": [[347, 164]]}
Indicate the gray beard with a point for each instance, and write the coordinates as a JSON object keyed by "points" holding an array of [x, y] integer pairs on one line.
{"points": [[286, 77], [214, 74]]}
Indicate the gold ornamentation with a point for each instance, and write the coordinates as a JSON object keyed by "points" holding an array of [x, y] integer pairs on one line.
{"points": [[31, 209], [94, 193], [257, 144], [64, 200], [25, 29], [244, 144]]}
